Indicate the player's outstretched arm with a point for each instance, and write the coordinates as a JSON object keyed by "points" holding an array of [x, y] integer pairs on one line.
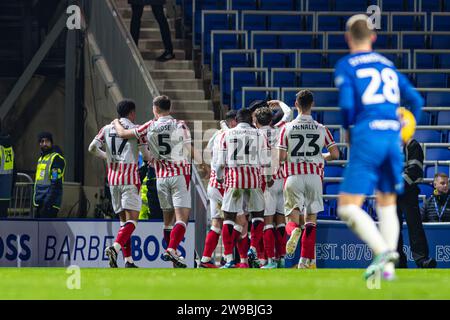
{"points": [[122, 132], [286, 110]]}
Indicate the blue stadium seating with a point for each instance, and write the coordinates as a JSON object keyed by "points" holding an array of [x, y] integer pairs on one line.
{"points": [[432, 60], [441, 22], [244, 4], [226, 20], [440, 41], [252, 94], [428, 135], [415, 40], [239, 58], [333, 170], [316, 79], [398, 5], [443, 118], [353, 5], [431, 170], [437, 153], [331, 117], [385, 40], [286, 40], [425, 189], [286, 5], [246, 78], [318, 5], [224, 40], [278, 59], [432, 80], [204, 5], [432, 5], [437, 99], [409, 21], [285, 78], [425, 119]]}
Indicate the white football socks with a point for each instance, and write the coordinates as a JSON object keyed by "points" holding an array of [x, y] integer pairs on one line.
{"points": [[363, 226]]}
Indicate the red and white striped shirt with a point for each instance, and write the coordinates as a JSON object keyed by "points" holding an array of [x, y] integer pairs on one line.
{"points": [[122, 155], [167, 140], [214, 146], [304, 139], [245, 153]]}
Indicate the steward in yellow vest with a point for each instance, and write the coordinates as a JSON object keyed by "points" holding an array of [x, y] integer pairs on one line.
{"points": [[7, 174], [48, 186]]}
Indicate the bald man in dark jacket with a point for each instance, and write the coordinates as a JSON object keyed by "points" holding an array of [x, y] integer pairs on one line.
{"points": [[137, 7]]}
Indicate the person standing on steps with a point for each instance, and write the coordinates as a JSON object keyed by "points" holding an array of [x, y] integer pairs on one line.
{"points": [[137, 9]]}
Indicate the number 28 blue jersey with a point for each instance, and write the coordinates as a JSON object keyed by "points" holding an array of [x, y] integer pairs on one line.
{"points": [[370, 92]]}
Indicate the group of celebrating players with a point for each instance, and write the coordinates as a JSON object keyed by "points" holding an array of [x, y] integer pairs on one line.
{"points": [[267, 170]]}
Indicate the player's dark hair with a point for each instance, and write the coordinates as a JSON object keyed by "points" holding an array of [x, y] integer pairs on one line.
{"points": [[125, 106], [162, 102], [441, 175], [305, 99], [277, 117], [263, 116], [244, 116], [230, 115]]}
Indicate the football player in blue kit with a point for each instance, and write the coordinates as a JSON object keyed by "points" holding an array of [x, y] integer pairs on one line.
{"points": [[370, 88]]}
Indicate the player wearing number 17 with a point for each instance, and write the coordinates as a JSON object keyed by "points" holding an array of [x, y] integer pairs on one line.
{"points": [[370, 88], [122, 157]]}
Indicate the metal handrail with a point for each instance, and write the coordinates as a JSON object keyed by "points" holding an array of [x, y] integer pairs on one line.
{"points": [[263, 89], [421, 14], [240, 69], [23, 192], [433, 14], [238, 33], [268, 51], [428, 51], [275, 13], [280, 33]]}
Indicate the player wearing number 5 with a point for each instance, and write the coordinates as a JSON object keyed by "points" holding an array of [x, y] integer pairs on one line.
{"points": [[122, 156], [370, 88]]}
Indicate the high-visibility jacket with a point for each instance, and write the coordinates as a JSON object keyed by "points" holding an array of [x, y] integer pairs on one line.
{"points": [[6, 172], [48, 183]]}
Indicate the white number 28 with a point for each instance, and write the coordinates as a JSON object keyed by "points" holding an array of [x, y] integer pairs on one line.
{"points": [[391, 92]]}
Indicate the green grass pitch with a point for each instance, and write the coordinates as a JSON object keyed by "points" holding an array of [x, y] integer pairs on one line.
{"points": [[189, 284]]}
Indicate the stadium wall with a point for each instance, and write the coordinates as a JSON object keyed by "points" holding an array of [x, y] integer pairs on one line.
{"points": [[60, 243]]}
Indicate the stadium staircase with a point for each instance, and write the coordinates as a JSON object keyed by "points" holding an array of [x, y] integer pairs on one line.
{"points": [[175, 78]]}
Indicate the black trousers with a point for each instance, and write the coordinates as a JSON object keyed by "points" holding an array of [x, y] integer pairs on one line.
{"points": [[158, 12], [41, 212], [408, 207], [4, 205]]}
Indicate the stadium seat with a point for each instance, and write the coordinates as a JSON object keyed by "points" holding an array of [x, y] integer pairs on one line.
{"points": [[441, 22], [245, 77], [432, 80], [233, 58], [424, 136], [299, 41], [204, 5], [443, 118], [278, 5], [308, 59], [440, 41], [431, 170], [398, 5], [318, 5], [332, 118], [290, 22], [425, 119], [437, 99], [325, 98], [278, 59], [425, 189], [332, 21], [354, 5], [437, 153], [408, 21], [415, 40], [244, 5], [226, 20], [432, 5], [316, 79], [333, 170], [224, 40], [332, 58], [432, 59], [285, 78], [250, 94]]}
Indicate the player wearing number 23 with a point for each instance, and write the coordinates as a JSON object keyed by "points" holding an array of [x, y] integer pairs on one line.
{"points": [[370, 89]]}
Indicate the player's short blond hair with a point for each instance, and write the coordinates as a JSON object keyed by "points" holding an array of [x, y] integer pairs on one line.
{"points": [[358, 28]]}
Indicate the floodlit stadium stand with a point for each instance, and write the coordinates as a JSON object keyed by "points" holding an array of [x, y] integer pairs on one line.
{"points": [[273, 48]]}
